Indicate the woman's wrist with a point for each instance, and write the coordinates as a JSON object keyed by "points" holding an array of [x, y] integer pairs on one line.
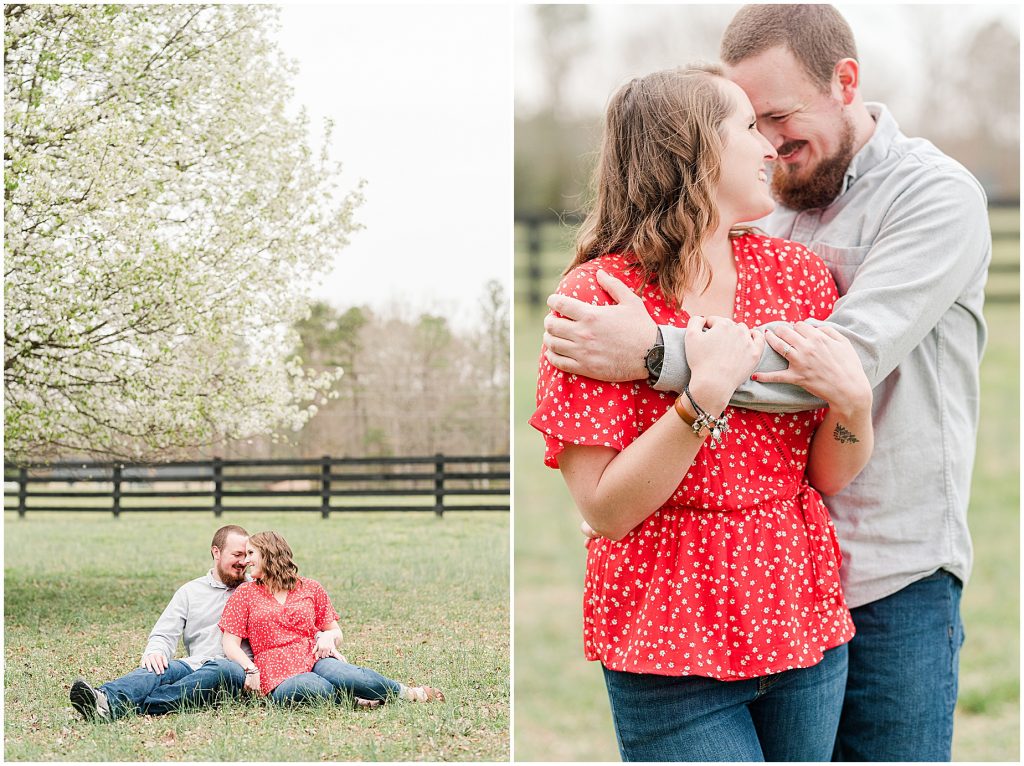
{"points": [[710, 395]]}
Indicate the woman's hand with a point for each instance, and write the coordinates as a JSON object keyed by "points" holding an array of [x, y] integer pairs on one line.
{"points": [[325, 647], [823, 362], [327, 641], [721, 354], [252, 683], [588, 532]]}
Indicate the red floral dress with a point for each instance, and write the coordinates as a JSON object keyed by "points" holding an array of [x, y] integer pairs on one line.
{"points": [[737, 574], [281, 635]]}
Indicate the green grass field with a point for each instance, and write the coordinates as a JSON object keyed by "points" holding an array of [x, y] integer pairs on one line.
{"points": [[561, 706], [422, 600]]}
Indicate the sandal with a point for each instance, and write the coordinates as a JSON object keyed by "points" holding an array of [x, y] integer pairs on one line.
{"points": [[426, 694]]}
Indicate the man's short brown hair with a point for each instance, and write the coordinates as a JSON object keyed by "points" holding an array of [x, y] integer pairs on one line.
{"points": [[221, 535], [817, 36]]}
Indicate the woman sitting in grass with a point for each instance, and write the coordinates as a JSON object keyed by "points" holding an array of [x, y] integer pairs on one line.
{"points": [[293, 629]]}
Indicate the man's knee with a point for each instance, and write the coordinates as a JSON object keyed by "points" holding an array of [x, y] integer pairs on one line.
{"points": [[230, 674]]}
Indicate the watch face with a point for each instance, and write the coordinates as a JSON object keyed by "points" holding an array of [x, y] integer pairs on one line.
{"points": [[655, 358]]}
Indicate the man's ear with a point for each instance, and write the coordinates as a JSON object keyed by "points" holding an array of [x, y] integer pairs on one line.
{"points": [[846, 76]]}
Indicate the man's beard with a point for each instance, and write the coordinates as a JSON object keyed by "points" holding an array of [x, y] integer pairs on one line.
{"points": [[825, 179], [231, 577]]}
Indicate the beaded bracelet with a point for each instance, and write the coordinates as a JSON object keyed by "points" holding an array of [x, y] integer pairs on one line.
{"points": [[717, 427]]}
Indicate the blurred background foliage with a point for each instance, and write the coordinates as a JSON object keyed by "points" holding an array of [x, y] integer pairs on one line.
{"points": [[948, 73]]}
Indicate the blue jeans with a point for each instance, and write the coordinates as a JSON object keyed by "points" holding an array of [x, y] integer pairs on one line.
{"points": [[902, 683], [788, 716], [143, 692], [334, 680]]}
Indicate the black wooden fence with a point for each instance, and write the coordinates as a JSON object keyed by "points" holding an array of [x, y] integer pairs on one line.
{"points": [[538, 265], [262, 485]]}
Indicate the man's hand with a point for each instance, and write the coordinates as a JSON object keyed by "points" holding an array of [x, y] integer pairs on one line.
{"points": [[602, 342], [155, 662]]}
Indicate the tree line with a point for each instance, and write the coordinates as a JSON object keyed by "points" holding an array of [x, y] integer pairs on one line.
{"points": [[410, 386]]}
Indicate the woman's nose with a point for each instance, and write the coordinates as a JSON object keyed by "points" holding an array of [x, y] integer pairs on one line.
{"points": [[769, 132]]}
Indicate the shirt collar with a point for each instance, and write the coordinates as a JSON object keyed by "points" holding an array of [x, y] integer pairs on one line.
{"points": [[877, 147]]}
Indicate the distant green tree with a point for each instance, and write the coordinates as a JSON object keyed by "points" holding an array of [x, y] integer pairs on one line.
{"points": [[331, 339]]}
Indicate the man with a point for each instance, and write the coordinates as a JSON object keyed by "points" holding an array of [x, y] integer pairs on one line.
{"points": [[162, 684], [904, 231]]}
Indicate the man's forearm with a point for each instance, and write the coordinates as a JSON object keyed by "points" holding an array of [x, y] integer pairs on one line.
{"points": [[164, 637], [765, 397]]}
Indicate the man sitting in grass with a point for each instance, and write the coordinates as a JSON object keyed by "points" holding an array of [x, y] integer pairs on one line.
{"points": [[161, 684]]}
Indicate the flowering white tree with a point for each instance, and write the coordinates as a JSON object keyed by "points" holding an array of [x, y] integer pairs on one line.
{"points": [[163, 216]]}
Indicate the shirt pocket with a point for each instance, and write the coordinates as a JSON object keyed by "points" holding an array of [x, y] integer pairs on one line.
{"points": [[843, 262]]}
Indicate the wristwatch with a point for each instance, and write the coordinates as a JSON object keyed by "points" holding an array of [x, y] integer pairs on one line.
{"points": [[654, 359]]}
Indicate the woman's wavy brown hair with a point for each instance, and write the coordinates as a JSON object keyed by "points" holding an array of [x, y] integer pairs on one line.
{"points": [[658, 168], [279, 571]]}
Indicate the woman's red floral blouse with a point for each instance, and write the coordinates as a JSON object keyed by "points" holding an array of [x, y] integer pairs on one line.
{"points": [[737, 574], [281, 635]]}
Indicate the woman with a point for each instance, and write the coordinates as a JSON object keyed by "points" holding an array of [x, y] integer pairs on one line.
{"points": [[293, 632], [712, 595]]}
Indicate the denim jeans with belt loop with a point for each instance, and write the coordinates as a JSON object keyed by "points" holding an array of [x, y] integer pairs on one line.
{"points": [[787, 716]]}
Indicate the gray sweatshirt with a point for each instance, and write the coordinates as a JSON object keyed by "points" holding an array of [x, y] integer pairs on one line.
{"points": [[908, 243], [192, 615]]}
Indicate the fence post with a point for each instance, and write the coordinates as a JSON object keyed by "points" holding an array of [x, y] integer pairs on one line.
{"points": [[218, 487], [22, 491], [439, 484], [533, 268], [325, 486], [117, 490]]}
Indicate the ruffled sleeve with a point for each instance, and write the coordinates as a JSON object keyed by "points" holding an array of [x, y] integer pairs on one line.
{"points": [[323, 611], [572, 409], [235, 618]]}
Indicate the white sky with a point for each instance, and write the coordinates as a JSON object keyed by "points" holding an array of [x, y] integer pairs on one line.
{"points": [[422, 101], [422, 108], [887, 36]]}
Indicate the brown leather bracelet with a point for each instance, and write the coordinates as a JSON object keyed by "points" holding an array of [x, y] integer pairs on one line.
{"points": [[680, 408]]}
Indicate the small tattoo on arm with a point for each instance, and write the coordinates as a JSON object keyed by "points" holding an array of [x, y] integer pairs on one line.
{"points": [[844, 435]]}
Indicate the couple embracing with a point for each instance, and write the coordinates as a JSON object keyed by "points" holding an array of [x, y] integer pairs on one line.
{"points": [[269, 633], [736, 615]]}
